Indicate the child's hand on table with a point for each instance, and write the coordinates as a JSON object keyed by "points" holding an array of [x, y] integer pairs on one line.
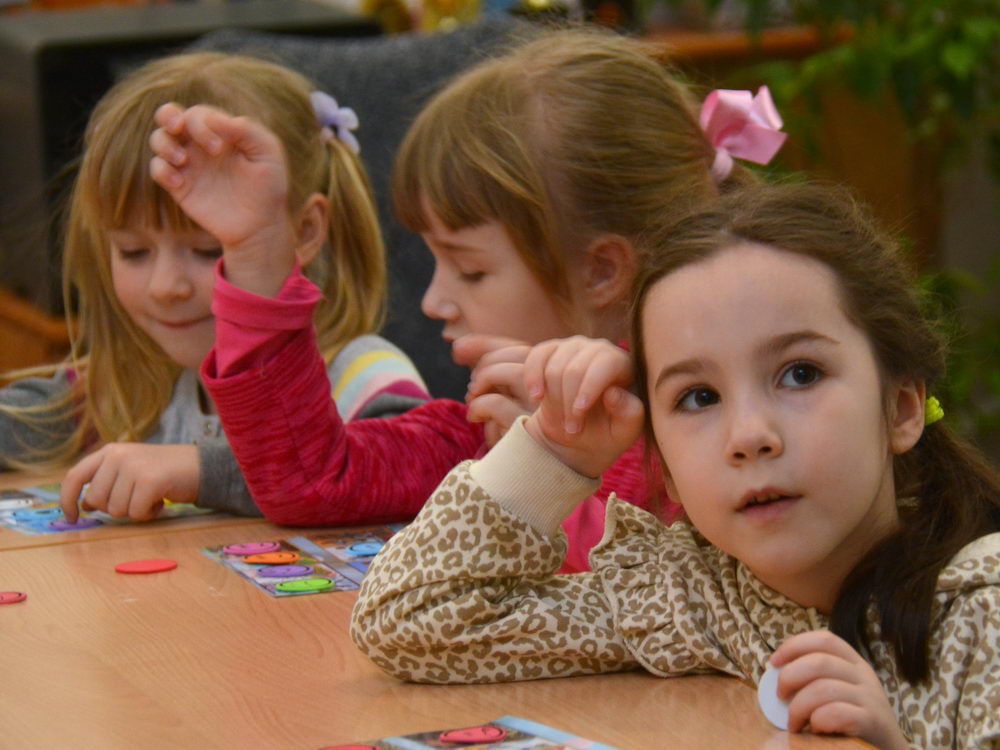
{"points": [[586, 416], [131, 480], [229, 175], [830, 688]]}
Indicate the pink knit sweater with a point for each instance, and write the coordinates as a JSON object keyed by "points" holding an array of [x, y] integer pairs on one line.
{"points": [[305, 466]]}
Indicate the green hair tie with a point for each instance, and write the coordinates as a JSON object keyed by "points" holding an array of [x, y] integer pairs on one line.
{"points": [[932, 411]]}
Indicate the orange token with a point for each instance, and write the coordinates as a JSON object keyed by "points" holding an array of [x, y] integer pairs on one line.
{"points": [[273, 558]]}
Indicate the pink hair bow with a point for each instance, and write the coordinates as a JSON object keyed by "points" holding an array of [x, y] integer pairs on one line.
{"points": [[739, 124]]}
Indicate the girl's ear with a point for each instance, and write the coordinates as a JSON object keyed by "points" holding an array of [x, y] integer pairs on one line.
{"points": [[609, 266], [906, 418], [311, 228]]}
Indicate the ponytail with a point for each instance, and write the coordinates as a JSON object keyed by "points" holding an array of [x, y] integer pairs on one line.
{"points": [[353, 274], [956, 499]]}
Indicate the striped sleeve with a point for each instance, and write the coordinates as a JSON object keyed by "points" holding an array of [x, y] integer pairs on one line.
{"points": [[368, 369]]}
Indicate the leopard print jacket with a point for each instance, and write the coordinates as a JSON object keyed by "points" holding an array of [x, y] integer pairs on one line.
{"points": [[467, 593]]}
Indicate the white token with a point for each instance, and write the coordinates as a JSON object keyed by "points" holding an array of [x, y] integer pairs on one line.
{"points": [[775, 709]]}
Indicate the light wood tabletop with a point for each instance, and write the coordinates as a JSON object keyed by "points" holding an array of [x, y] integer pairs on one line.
{"points": [[197, 657]]}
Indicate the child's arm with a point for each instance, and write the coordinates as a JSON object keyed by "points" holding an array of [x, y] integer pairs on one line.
{"points": [[466, 593]]}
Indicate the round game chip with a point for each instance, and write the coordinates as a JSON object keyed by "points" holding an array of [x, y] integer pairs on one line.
{"points": [[146, 566], [273, 558], [251, 548], [306, 584], [775, 709], [365, 549], [12, 597], [35, 514], [81, 523], [474, 735], [285, 571]]}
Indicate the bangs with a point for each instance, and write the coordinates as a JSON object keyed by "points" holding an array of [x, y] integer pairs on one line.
{"points": [[466, 158]]}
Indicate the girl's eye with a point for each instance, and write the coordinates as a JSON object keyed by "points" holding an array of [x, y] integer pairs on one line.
{"points": [[133, 253], [472, 278], [695, 399], [800, 374], [209, 253]]}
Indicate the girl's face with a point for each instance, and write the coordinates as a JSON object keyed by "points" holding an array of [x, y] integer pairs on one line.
{"points": [[767, 406], [164, 281], [481, 285]]}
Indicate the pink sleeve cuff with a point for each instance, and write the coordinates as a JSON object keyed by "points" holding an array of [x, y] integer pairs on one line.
{"points": [[250, 329]]}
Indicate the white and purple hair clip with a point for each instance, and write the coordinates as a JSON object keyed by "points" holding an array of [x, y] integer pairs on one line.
{"points": [[331, 116]]}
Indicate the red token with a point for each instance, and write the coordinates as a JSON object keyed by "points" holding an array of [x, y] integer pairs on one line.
{"points": [[12, 597], [146, 566], [474, 735]]}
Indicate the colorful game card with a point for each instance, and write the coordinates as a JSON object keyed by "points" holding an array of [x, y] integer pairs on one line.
{"points": [[323, 561], [35, 510], [506, 733]]}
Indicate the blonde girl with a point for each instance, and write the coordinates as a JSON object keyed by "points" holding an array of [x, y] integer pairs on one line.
{"points": [[531, 178], [836, 528], [140, 274]]}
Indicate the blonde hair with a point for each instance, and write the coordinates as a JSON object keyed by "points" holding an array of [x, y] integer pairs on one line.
{"points": [[571, 135], [113, 189]]}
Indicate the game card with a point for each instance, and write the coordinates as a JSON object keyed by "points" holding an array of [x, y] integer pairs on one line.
{"points": [[321, 562]]}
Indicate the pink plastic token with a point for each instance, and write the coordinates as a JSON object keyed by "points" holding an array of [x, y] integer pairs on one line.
{"points": [[251, 548], [12, 597], [474, 735], [146, 566]]}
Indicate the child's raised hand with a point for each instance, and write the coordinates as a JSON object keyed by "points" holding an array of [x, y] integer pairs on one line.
{"points": [[585, 415], [131, 480], [228, 174], [833, 690]]}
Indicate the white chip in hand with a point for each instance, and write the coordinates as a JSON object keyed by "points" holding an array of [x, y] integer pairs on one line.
{"points": [[775, 709]]}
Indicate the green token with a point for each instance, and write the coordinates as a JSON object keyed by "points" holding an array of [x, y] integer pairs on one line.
{"points": [[305, 584]]}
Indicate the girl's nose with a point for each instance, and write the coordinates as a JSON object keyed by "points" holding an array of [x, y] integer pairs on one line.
{"points": [[437, 303], [170, 279], [753, 434]]}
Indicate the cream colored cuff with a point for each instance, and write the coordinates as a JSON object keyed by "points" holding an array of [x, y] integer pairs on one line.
{"points": [[530, 482]]}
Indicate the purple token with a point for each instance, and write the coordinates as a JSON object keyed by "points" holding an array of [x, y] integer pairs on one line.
{"points": [[252, 548], [81, 523], [285, 571]]}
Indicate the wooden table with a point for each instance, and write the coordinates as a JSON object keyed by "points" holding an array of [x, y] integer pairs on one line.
{"points": [[199, 658]]}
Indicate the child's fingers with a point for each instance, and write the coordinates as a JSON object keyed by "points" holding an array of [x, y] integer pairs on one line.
{"points": [[605, 366], [167, 148], [73, 483], [810, 642], [839, 717], [120, 496], [502, 376], [164, 174], [468, 350], [171, 117], [535, 364], [145, 502], [812, 698], [496, 409]]}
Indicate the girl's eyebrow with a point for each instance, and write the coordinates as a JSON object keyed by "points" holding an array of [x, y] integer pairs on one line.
{"points": [[770, 347]]}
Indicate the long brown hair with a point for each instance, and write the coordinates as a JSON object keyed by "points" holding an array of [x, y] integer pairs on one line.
{"points": [[951, 492], [571, 135], [113, 189]]}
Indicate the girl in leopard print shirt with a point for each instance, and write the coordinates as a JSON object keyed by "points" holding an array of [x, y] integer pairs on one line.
{"points": [[784, 366]]}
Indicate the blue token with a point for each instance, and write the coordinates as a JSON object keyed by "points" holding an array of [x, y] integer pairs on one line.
{"points": [[365, 549], [37, 514]]}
